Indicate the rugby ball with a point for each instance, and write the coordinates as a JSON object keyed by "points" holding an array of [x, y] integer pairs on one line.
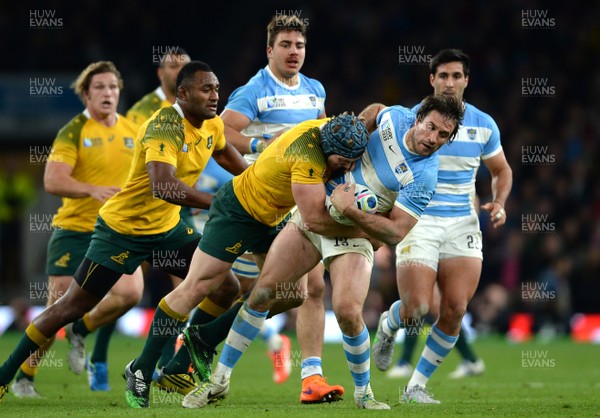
{"points": [[364, 199]]}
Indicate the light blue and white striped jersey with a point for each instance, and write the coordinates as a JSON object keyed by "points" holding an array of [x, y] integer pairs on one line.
{"points": [[396, 175], [478, 138], [272, 105]]}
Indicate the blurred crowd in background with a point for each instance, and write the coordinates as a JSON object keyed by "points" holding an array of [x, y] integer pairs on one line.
{"points": [[533, 71]]}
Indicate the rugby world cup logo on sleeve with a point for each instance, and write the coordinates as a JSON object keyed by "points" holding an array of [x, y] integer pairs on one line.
{"points": [[128, 141]]}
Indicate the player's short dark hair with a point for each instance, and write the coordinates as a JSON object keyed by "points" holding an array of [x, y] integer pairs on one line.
{"points": [[176, 51], [448, 106], [284, 23], [82, 83], [186, 74], [450, 55]]}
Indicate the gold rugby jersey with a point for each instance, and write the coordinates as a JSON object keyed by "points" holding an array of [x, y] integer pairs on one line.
{"points": [[265, 188], [100, 155], [147, 106], [169, 138]]}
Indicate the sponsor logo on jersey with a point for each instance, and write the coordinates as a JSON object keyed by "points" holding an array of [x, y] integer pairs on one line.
{"points": [[209, 142], [185, 147], [405, 250], [401, 168]]}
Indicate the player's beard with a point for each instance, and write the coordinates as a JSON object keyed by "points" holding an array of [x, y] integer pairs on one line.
{"points": [[412, 141], [337, 173]]}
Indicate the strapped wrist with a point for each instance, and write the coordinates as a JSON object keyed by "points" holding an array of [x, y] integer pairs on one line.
{"points": [[260, 147], [253, 144]]}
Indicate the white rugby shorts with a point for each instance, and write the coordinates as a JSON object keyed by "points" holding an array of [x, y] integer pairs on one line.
{"points": [[435, 238], [331, 247]]}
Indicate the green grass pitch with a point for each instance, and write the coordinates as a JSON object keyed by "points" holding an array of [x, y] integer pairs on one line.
{"points": [[559, 378]]}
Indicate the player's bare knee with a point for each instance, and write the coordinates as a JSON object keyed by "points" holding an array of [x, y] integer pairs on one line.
{"points": [[416, 308], [453, 312], [224, 293], [434, 311], [69, 309], [131, 299], [349, 316], [351, 324], [421, 310], [262, 297], [316, 287], [230, 286], [58, 288]]}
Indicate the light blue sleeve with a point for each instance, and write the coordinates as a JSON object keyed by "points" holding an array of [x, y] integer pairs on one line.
{"points": [[416, 195], [493, 143], [244, 101], [403, 117]]}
